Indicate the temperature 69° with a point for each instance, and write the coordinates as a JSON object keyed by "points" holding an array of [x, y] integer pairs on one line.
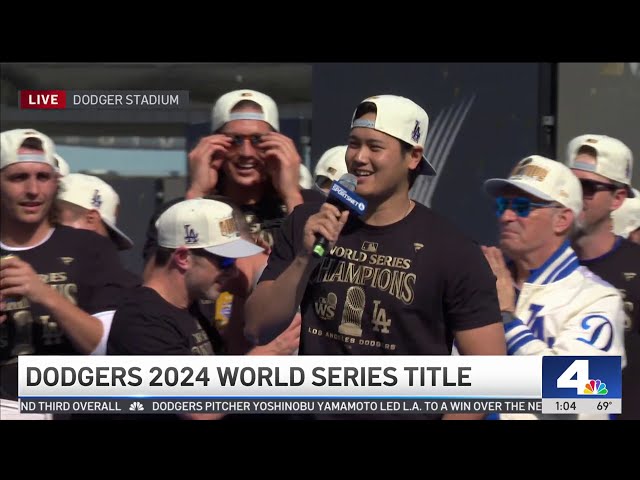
{"points": [[603, 405]]}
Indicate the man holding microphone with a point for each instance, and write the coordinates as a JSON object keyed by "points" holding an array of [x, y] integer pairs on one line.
{"points": [[397, 279]]}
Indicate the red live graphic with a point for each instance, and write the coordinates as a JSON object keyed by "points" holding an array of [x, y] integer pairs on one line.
{"points": [[43, 99]]}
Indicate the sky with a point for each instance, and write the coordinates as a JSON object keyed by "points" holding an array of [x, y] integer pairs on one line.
{"points": [[126, 162]]}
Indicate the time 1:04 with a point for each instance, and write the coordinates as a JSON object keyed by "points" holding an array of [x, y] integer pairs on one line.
{"points": [[564, 406]]}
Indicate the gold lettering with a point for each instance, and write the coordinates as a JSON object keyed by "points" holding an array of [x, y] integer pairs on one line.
{"points": [[341, 252], [53, 277], [367, 274], [384, 279], [353, 273], [339, 336], [532, 171], [325, 268], [407, 295], [337, 273], [58, 277], [392, 262], [68, 291], [380, 321], [228, 227], [398, 283]]}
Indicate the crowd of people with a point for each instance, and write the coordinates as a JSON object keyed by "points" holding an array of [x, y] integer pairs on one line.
{"points": [[564, 278]]}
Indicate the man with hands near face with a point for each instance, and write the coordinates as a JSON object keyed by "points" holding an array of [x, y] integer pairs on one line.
{"points": [[248, 160], [550, 304]]}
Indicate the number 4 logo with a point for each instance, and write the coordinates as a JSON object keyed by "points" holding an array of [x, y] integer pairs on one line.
{"points": [[578, 369]]}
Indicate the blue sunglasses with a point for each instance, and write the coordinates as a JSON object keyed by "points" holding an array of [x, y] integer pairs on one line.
{"points": [[522, 206], [225, 263]]}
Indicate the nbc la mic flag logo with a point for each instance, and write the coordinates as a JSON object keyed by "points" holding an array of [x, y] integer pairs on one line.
{"points": [[581, 377]]}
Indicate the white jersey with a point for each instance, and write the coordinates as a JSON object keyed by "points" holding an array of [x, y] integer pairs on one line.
{"points": [[565, 309]]}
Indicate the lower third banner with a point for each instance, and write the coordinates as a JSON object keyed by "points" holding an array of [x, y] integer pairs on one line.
{"points": [[319, 384]]}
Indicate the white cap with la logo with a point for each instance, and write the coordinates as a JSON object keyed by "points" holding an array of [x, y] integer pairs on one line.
{"points": [[206, 224], [401, 118]]}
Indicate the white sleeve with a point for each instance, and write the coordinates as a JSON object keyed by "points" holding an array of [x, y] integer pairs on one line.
{"points": [[597, 329], [106, 318]]}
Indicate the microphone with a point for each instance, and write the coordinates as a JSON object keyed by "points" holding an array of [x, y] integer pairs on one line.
{"points": [[342, 195]]}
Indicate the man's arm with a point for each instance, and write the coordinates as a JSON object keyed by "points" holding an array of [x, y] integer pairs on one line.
{"points": [[284, 344], [275, 302], [473, 309], [487, 340], [276, 299], [18, 278], [597, 329]]}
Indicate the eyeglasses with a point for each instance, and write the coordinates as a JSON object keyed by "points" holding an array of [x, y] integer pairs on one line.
{"points": [[238, 140], [520, 205], [223, 263], [591, 187]]}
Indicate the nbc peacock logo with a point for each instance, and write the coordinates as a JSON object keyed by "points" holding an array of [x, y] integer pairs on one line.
{"points": [[595, 387]]}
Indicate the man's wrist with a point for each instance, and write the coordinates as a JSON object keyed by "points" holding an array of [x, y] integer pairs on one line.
{"points": [[507, 316], [292, 200], [194, 192]]}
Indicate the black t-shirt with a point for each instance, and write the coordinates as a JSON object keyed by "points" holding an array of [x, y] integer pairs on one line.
{"points": [[401, 289], [84, 268], [146, 324], [263, 220], [621, 268], [265, 217]]}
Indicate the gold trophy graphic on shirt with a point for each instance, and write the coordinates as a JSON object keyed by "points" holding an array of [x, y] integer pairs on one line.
{"points": [[352, 312]]}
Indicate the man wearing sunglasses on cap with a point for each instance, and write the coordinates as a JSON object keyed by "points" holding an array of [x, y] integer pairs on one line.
{"points": [[604, 167], [550, 304], [198, 245], [249, 160]]}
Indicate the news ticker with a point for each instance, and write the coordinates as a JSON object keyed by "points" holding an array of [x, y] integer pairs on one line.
{"points": [[276, 406], [319, 384], [104, 99]]}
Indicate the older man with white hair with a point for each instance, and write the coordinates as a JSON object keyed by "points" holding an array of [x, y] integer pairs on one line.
{"points": [[550, 304]]}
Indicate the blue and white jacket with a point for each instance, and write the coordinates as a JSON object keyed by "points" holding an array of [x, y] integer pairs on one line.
{"points": [[565, 309]]}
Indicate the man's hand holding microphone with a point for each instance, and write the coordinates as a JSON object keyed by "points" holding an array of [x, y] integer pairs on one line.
{"points": [[323, 228]]}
